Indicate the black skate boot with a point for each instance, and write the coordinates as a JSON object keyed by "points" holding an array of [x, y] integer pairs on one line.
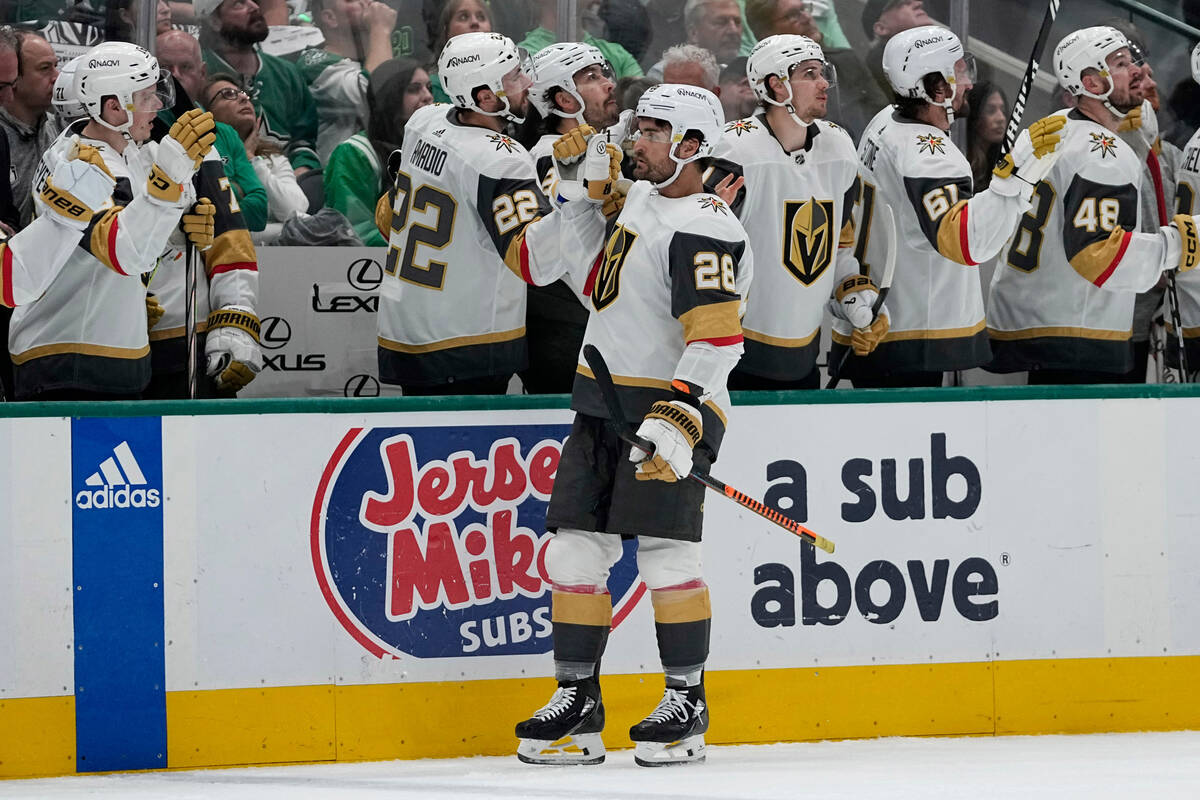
{"points": [[567, 729], [674, 732]]}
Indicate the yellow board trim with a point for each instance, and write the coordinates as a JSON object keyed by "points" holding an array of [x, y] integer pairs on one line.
{"points": [[359, 723], [1074, 333], [37, 736], [446, 344], [251, 726]]}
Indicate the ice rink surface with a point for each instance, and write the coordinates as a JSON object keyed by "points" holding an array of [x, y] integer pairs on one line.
{"points": [[1139, 765]]}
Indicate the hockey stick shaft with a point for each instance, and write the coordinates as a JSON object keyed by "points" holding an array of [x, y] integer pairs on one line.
{"points": [[623, 429], [1160, 198], [1031, 71], [190, 316]]}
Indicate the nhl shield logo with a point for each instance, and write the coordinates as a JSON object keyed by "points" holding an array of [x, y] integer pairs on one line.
{"points": [[808, 238], [608, 279]]}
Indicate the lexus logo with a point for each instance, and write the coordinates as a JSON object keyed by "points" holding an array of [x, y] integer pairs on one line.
{"points": [[361, 386], [274, 333], [365, 274]]}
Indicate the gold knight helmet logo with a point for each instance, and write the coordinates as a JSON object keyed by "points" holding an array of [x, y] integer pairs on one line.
{"points": [[808, 238], [608, 278]]}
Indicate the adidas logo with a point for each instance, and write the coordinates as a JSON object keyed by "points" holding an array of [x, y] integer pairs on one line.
{"points": [[117, 484]]}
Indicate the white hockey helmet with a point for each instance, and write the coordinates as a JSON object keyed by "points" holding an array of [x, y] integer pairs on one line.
{"points": [[685, 108], [66, 102], [1087, 48], [555, 67], [929, 49], [477, 59], [119, 69], [1196, 63], [778, 55]]}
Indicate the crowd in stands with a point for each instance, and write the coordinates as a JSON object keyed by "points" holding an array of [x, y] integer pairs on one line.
{"points": [[311, 97]]}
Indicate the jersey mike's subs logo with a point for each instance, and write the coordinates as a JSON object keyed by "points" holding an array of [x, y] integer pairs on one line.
{"points": [[431, 542]]}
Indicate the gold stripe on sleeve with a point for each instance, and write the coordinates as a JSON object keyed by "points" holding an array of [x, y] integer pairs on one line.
{"points": [[711, 321]]}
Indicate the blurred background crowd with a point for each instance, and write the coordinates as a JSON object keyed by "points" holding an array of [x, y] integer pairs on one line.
{"points": [[314, 94]]}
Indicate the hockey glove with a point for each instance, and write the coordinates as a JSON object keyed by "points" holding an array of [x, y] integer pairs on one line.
{"points": [[1189, 254], [232, 350], [77, 190], [674, 427], [198, 224], [853, 302], [154, 311], [1032, 157], [601, 169], [572, 145], [179, 156]]}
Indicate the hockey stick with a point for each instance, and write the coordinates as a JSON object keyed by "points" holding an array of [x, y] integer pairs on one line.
{"points": [[1031, 71], [190, 316], [1155, 168], [624, 430], [889, 270]]}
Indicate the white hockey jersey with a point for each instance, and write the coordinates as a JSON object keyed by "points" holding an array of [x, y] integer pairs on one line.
{"points": [[1063, 292], [796, 208], [667, 294], [1188, 283], [943, 231], [450, 305], [88, 331]]}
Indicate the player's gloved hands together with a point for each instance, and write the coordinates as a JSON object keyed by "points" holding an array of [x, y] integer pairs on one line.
{"points": [[674, 428], [199, 225], [1032, 157], [601, 169], [179, 155], [854, 302], [232, 350], [79, 187]]}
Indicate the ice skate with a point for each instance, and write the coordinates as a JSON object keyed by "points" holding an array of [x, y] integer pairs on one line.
{"points": [[674, 731], [567, 729]]}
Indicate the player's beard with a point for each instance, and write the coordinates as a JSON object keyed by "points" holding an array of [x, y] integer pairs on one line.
{"points": [[254, 32], [655, 173], [604, 117]]}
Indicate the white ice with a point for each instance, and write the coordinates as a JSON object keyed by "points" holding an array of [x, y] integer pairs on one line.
{"points": [[1138, 765]]}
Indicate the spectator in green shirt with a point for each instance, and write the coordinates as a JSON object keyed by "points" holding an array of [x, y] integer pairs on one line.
{"points": [[623, 64], [178, 52], [355, 175]]}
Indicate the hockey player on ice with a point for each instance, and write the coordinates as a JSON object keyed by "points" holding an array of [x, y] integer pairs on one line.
{"points": [[1061, 304], [943, 228], [86, 336], [573, 90], [670, 274], [801, 184]]}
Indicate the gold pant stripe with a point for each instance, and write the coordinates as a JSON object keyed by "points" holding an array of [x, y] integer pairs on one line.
{"points": [[684, 605], [157, 335], [459, 341], [1062, 330], [779, 341], [581, 609], [80, 349]]}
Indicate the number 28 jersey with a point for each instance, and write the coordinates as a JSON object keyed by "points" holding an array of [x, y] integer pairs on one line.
{"points": [[451, 305]]}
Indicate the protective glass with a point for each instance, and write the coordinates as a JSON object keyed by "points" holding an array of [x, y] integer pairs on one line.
{"points": [[964, 70], [520, 77], [153, 98]]}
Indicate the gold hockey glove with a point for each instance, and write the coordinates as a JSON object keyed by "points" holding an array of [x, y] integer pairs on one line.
{"points": [[199, 223], [674, 428], [572, 145]]}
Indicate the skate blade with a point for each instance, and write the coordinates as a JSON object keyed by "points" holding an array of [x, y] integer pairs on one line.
{"points": [[579, 748], [661, 754]]}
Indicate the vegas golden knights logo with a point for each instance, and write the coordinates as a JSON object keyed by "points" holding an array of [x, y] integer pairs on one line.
{"points": [[608, 279], [808, 238]]}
